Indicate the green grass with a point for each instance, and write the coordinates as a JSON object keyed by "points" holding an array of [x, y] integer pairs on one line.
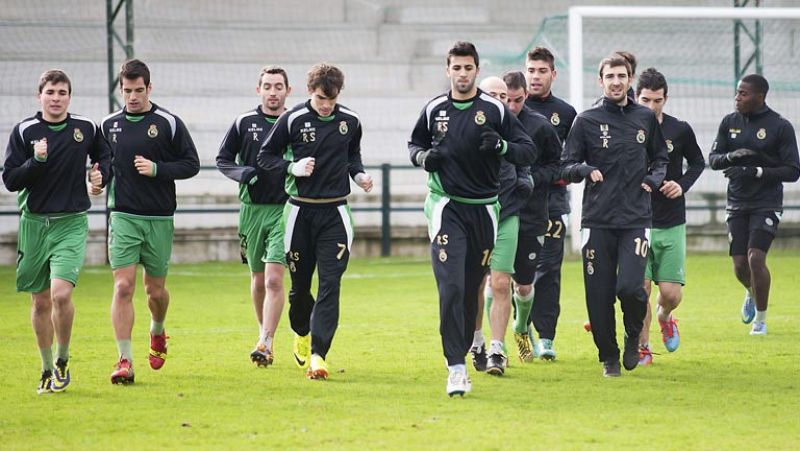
{"points": [[723, 389]]}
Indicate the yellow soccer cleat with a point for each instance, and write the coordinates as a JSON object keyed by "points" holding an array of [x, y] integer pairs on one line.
{"points": [[302, 350], [318, 369]]}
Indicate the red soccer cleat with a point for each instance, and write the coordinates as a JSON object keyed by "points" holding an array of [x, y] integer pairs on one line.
{"points": [[123, 372], [158, 350]]}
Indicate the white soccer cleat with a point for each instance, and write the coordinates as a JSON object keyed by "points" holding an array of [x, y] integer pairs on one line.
{"points": [[458, 383], [759, 328]]}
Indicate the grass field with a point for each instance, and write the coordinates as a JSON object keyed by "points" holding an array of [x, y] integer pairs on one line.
{"points": [[723, 389]]}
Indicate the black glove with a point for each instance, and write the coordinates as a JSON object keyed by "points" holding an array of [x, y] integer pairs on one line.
{"points": [[491, 141], [524, 188], [738, 154], [430, 160], [740, 172]]}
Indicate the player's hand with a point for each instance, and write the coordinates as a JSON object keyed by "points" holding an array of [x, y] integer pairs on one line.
{"points": [[491, 141], [738, 154], [364, 181], [430, 160], [95, 176], [303, 167], [40, 149], [741, 172], [647, 188], [144, 166], [671, 189], [596, 176]]}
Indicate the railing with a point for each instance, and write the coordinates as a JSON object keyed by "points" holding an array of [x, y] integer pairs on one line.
{"points": [[715, 202]]}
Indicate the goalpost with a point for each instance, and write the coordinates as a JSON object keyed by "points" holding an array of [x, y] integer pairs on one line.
{"points": [[623, 15]]}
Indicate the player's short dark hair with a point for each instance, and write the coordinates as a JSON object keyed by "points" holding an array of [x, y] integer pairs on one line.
{"points": [[132, 70], [542, 54], [630, 57], [758, 82], [614, 60], [463, 48], [651, 79], [273, 70], [54, 76], [327, 77], [514, 79]]}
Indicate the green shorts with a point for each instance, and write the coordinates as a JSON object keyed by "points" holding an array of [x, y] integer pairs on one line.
{"points": [[137, 239], [50, 247], [505, 248], [667, 259], [261, 235]]}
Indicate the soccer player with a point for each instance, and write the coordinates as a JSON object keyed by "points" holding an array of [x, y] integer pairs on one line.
{"points": [[533, 224], [460, 139], [317, 144], [617, 146], [757, 149], [516, 186], [152, 148], [263, 198], [540, 73], [45, 162], [667, 256]]}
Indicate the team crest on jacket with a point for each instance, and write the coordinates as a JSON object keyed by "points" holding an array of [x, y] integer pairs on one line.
{"points": [[555, 119], [670, 147], [640, 137], [77, 135], [761, 134], [343, 127], [442, 255], [480, 117], [152, 131]]}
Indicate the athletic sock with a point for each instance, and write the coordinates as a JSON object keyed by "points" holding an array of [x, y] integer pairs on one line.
{"points": [[262, 336], [62, 351], [156, 327], [461, 367], [267, 342], [477, 339], [488, 297], [749, 292], [125, 350], [761, 316], [47, 358], [524, 305], [496, 347]]}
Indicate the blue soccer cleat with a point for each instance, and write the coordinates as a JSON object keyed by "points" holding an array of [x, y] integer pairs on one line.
{"points": [[759, 328], [669, 333], [748, 308], [60, 375]]}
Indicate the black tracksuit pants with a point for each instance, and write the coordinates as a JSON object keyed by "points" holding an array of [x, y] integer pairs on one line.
{"points": [[613, 267], [462, 238], [317, 236], [547, 282]]}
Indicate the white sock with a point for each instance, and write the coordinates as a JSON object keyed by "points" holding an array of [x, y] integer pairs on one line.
{"points": [[761, 316], [460, 368], [267, 342], [496, 347], [262, 336], [750, 292], [477, 339]]}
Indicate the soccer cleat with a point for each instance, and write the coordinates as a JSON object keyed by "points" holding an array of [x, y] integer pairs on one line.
{"points": [[611, 368], [45, 383], [261, 356], [61, 375], [458, 383], [630, 356], [496, 364], [759, 328], [158, 350], [669, 333], [645, 356], [748, 308], [546, 351], [318, 369], [524, 347], [532, 338], [301, 349], [479, 359], [123, 372]]}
